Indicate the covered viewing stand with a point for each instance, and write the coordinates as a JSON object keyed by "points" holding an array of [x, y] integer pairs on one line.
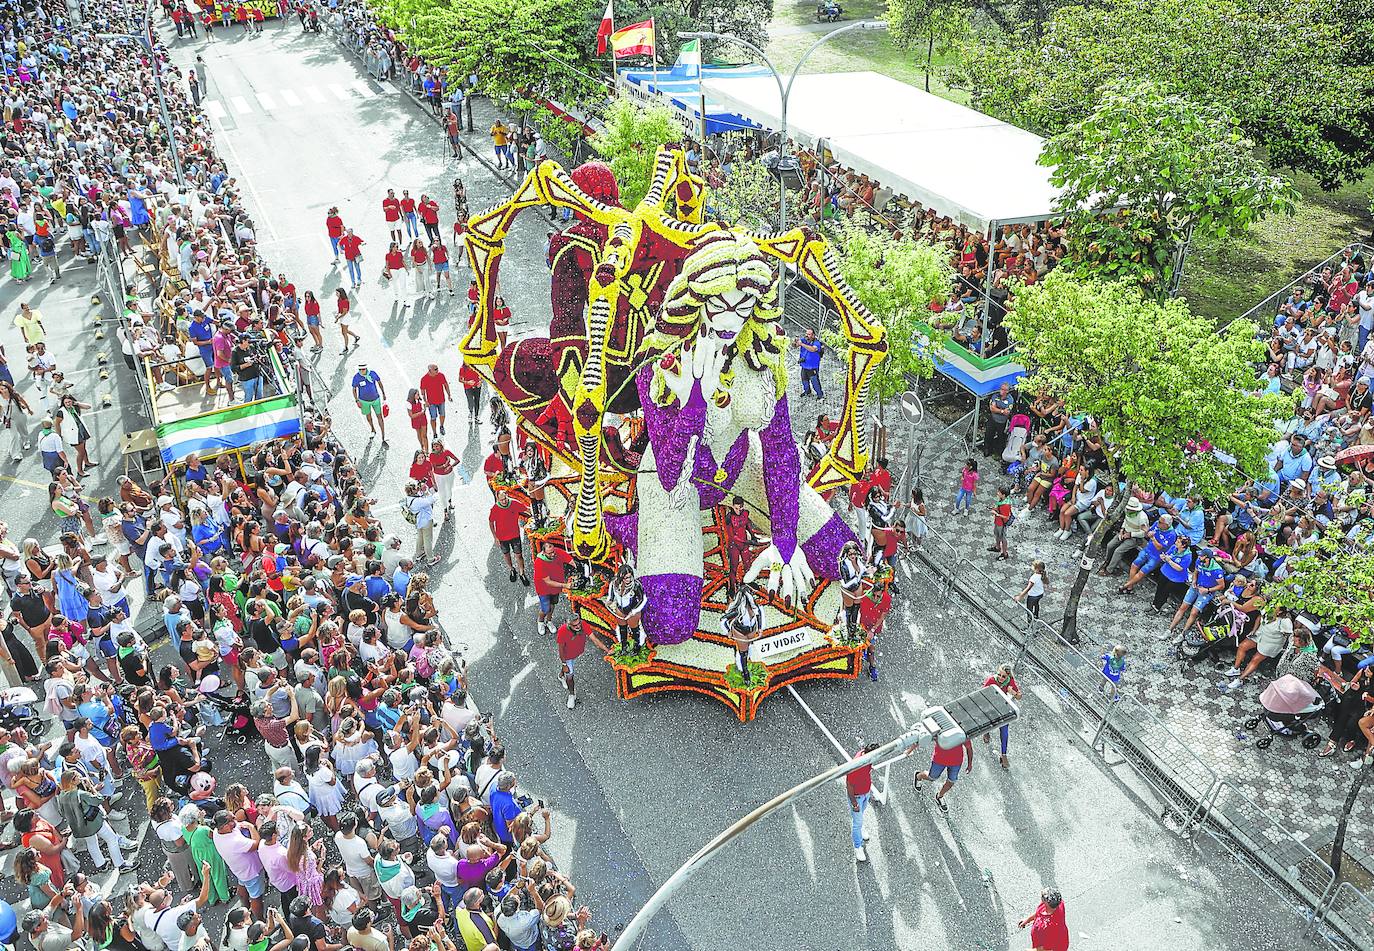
{"points": [[970, 167]]}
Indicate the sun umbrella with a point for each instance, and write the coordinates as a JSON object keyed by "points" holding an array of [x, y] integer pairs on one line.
{"points": [[1355, 453], [1288, 694]]}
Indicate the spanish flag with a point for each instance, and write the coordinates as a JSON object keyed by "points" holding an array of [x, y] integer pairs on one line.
{"points": [[634, 40]]}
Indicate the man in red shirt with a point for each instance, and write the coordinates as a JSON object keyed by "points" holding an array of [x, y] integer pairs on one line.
{"points": [[352, 247], [737, 538], [429, 216], [881, 477], [495, 463], [946, 763], [443, 464], [550, 578], [333, 226], [858, 504], [391, 211], [858, 785], [472, 390], [434, 385], [873, 608], [572, 641], [505, 528], [557, 412]]}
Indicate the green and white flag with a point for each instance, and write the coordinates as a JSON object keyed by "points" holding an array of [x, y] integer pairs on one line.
{"points": [[691, 54], [235, 427]]}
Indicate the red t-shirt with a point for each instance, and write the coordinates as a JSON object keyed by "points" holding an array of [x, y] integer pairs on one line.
{"points": [[433, 386], [343, 305], [502, 316], [469, 378], [1010, 688], [443, 462], [883, 478], [421, 470], [1002, 514], [505, 522], [493, 463], [417, 413], [351, 245], [407, 204], [570, 645], [333, 224], [391, 209], [550, 569], [395, 261], [954, 757], [429, 212], [858, 493], [440, 254], [312, 308], [860, 782], [872, 613], [418, 254]]}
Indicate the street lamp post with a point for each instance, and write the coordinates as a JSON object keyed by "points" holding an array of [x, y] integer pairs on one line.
{"points": [[783, 92], [146, 38], [967, 718]]}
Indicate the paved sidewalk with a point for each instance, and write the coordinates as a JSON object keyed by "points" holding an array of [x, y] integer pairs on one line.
{"points": [[1293, 784]]}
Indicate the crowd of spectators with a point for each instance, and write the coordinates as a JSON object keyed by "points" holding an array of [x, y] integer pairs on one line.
{"points": [[380, 811]]}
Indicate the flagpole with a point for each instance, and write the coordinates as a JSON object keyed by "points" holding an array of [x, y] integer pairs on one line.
{"points": [[701, 105], [615, 69], [653, 55]]}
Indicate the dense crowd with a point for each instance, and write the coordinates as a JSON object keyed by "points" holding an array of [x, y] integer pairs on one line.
{"points": [[293, 620]]}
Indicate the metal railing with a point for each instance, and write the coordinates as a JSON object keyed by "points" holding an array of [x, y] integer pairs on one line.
{"points": [[1268, 307], [1349, 911]]}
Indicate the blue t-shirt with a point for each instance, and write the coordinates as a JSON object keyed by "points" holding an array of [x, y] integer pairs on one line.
{"points": [[504, 808], [161, 737], [208, 537], [1193, 524], [400, 580], [1207, 577], [201, 334], [810, 359], [366, 386], [1185, 562], [377, 587], [1162, 540]]}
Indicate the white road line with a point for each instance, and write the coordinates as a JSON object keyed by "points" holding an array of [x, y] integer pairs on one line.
{"points": [[313, 94], [340, 93], [362, 89], [267, 101], [291, 98], [240, 104], [215, 108]]}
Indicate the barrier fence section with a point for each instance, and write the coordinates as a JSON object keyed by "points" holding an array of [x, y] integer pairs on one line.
{"points": [[1196, 797]]}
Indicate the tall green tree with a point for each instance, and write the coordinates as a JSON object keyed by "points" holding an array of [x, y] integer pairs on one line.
{"points": [[896, 280], [1295, 74], [630, 141], [928, 26], [1333, 580], [1148, 172], [1157, 379]]}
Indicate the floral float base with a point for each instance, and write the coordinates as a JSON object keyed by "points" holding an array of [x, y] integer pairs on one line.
{"points": [[705, 664]]}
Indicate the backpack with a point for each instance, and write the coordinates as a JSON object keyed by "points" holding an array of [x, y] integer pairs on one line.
{"points": [[407, 510]]}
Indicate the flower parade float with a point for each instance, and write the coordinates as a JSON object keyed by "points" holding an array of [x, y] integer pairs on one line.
{"points": [[666, 360]]}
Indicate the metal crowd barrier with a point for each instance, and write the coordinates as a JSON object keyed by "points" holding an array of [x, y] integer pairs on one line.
{"points": [[1350, 911]]}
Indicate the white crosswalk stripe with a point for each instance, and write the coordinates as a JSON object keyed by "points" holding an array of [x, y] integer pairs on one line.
{"points": [[240, 104], [267, 101], [215, 108], [362, 89], [339, 92], [313, 94], [291, 98]]}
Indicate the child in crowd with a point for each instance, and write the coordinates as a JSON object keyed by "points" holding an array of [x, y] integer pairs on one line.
{"points": [[1001, 521], [968, 484], [1113, 668]]}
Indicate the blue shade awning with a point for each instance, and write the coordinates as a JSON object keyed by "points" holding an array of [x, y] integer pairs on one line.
{"points": [[679, 88]]}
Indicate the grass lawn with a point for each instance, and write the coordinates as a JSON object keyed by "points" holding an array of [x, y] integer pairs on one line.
{"points": [[1222, 280], [1229, 277]]}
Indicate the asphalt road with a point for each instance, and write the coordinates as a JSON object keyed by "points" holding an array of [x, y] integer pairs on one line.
{"points": [[637, 787]]}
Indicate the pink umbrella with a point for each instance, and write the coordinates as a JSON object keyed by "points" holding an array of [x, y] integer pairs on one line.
{"points": [[1288, 694], [1354, 453]]}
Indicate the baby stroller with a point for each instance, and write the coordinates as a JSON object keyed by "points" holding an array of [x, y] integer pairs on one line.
{"points": [[19, 707], [1224, 627], [1288, 704], [238, 720]]}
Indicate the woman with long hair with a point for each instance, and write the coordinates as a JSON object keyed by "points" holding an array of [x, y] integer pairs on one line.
{"points": [[326, 793], [14, 419], [419, 417], [311, 306], [743, 623], [625, 600], [303, 857]]}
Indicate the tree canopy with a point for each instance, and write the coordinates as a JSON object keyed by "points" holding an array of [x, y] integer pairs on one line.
{"points": [[1294, 73], [1162, 383], [629, 143], [1146, 172], [896, 280], [1332, 580]]}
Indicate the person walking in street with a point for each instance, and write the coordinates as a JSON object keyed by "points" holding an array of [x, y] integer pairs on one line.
{"points": [[1006, 682], [947, 764], [419, 261], [810, 362], [408, 214], [199, 67], [396, 271], [472, 392], [858, 785], [341, 308], [434, 386], [311, 306], [194, 85], [352, 247], [438, 255], [1049, 929], [444, 466], [14, 419], [968, 486], [369, 393], [334, 227], [391, 211], [419, 419], [453, 127], [1034, 588], [429, 217], [550, 579], [572, 641], [504, 521], [500, 140]]}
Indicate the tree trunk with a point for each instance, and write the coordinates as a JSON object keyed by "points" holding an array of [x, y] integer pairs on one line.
{"points": [[1096, 540], [1338, 843], [930, 54]]}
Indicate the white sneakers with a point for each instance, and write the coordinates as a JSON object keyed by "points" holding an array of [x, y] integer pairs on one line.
{"points": [[572, 700], [860, 855], [1063, 535]]}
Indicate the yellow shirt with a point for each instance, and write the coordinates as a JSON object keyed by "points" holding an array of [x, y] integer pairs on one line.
{"points": [[499, 134]]}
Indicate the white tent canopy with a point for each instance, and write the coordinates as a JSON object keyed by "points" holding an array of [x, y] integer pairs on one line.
{"points": [[969, 166]]}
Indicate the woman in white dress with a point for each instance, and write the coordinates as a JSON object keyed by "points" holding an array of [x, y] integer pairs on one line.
{"points": [[326, 793]]}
